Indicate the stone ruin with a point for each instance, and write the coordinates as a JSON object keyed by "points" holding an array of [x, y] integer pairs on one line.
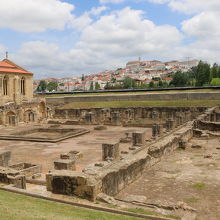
{"points": [[16, 174], [115, 171]]}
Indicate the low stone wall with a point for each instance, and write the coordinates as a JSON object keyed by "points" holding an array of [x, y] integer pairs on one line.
{"points": [[134, 97], [12, 176], [27, 169], [113, 177]]}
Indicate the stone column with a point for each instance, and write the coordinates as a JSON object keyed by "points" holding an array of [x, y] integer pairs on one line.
{"points": [[115, 118], [155, 115], [110, 151], [138, 138], [5, 158], [154, 130], [169, 124], [89, 118]]}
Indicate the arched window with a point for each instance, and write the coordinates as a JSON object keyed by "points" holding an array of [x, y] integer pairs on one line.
{"points": [[23, 86], [5, 85]]}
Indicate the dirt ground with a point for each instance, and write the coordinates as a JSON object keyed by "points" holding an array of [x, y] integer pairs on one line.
{"points": [[46, 153], [185, 175]]}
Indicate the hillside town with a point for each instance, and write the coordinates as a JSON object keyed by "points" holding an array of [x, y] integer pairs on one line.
{"points": [[141, 72]]}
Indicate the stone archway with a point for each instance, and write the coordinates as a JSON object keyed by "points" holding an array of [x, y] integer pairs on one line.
{"points": [[29, 116], [11, 118]]}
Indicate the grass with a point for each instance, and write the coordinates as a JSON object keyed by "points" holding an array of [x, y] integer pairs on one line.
{"points": [[149, 103], [20, 207], [199, 186], [147, 212], [140, 92]]}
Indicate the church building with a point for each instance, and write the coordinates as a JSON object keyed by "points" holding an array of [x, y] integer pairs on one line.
{"points": [[16, 96]]}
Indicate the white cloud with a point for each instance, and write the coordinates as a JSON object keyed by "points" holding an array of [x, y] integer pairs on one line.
{"points": [[112, 1], [105, 44], [34, 15], [203, 25]]}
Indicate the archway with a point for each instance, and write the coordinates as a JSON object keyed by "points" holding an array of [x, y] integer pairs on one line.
{"points": [[11, 118]]}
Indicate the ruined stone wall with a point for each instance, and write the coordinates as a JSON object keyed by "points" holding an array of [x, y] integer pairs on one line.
{"points": [[119, 174], [134, 97], [127, 116], [113, 177]]}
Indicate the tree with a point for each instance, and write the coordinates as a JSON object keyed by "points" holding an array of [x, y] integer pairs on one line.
{"points": [[97, 86], [108, 85], [214, 71], [202, 74], [129, 83], [91, 86], [179, 79], [160, 84], [51, 86], [42, 86], [151, 84]]}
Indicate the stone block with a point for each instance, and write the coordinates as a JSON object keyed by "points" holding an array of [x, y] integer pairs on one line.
{"points": [[63, 164], [110, 151], [138, 138], [5, 157]]}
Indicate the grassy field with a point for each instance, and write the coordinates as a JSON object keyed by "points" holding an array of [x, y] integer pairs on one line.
{"points": [[140, 92], [153, 103], [19, 207]]}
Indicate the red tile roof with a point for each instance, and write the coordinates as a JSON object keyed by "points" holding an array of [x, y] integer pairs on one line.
{"points": [[7, 66]]}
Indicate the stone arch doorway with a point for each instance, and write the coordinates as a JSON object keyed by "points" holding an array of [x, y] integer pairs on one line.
{"points": [[11, 118], [29, 116]]}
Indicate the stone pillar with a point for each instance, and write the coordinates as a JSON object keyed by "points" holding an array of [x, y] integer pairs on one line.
{"points": [[63, 164], [89, 118], [110, 151], [159, 129], [138, 138], [154, 130], [155, 115], [169, 124], [5, 158], [115, 118]]}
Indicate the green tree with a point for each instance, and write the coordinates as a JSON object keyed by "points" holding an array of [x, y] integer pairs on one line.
{"points": [[202, 74], [97, 86], [42, 86], [129, 83], [214, 71], [151, 84], [160, 83], [51, 86], [91, 86], [179, 79]]}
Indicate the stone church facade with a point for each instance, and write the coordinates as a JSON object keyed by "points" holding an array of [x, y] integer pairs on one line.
{"points": [[16, 96]]}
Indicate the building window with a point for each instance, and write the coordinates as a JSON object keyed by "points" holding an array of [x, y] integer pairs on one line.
{"points": [[23, 86], [5, 85]]}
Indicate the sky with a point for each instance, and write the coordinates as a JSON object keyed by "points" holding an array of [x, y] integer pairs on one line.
{"points": [[66, 38]]}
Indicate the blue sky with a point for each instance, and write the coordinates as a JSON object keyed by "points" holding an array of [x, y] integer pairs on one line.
{"points": [[58, 38]]}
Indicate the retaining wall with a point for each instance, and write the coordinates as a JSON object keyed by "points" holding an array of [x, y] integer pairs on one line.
{"points": [[134, 97]]}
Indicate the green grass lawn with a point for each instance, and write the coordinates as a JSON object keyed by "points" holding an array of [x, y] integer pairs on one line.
{"points": [[139, 92], [149, 103], [20, 207]]}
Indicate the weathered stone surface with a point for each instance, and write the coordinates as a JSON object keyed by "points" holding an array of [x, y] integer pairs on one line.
{"points": [[110, 151], [5, 157], [63, 164], [72, 183], [138, 138]]}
